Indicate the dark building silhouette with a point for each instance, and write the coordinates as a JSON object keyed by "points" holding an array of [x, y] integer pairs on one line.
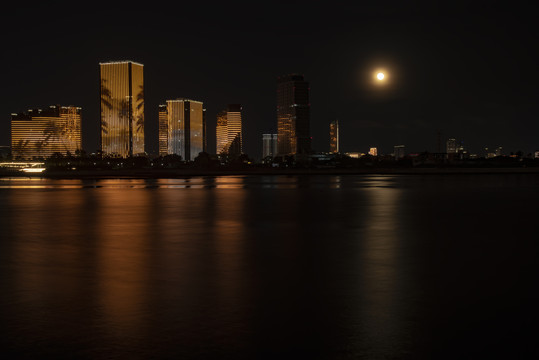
{"points": [[293, 115]]}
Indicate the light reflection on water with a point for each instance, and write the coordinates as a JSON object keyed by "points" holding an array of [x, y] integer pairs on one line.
{"points": [[262, 267], [225, 182]]}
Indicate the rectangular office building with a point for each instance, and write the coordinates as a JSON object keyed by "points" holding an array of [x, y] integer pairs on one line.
{"points": [[122, 108], [181, 128], [41, 133]]}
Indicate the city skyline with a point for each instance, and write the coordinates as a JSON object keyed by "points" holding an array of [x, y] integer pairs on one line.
{"points": [[467, 73]]}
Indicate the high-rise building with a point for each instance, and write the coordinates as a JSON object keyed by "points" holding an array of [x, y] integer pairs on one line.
{"points": [[373, 151], [41, 133], [293, 113], [229, 134], [122, 108], [163, 130], [234, 129], [221, 134], [183, 121], [269, 145], [204, 133], [398, 152], [451, 146], [334, 136]]}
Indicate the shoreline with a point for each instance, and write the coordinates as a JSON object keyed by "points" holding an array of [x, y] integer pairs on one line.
{"points": [[181, 173]]}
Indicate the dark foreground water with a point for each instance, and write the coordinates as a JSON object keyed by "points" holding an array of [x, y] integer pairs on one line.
{"points": [[375, 267]]}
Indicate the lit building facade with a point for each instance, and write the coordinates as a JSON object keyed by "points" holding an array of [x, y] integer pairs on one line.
{"points": [[183, 121], [204, 132], [451, 146], [398, 151], [293, 115], [234, 132], [41, 133], [373, 151], [334, 136], [269, 145], [122, 108], [163, 130], [221, 135], [229, 134]]}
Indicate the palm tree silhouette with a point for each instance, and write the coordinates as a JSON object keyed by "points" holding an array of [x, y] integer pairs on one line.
{"points": [[20, 148], [140, 110], [106, 101]]}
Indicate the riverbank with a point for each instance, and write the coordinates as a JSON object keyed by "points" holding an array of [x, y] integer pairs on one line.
{"points": [[179, 173]]}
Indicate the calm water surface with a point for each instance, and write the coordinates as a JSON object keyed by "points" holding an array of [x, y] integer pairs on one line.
{"points": [[375, 267]]}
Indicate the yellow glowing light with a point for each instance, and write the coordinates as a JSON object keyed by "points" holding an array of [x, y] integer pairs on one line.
{"points": [[380, 76]]}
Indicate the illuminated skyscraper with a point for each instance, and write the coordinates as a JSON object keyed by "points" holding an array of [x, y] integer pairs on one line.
{"points": [[334, 136], [221, 134], [41, 133], [293, 113], [233, 129], [163, 130], [204, 133], [269, 145], [122, 108], [183, 120], [229, 134]]}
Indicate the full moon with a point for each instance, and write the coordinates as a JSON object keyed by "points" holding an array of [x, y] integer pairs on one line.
{"points": [[380, 76]]}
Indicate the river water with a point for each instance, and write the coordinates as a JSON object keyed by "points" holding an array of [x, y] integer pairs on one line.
{"points": [[266, 267]]}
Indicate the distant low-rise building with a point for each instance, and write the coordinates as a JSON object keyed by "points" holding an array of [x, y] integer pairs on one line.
{"points": [[354, 155], [398, 152], [269, 145], [373, 151]]}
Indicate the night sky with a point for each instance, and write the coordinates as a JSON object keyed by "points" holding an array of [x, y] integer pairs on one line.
{"points": [[470, 72]]}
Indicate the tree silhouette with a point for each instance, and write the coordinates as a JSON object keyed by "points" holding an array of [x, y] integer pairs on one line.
{"points": [[106, 101], [20, 148], [139, 120], [55, 131]]}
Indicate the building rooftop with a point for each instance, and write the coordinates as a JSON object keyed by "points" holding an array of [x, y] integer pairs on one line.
{"points": [[120, 62]]}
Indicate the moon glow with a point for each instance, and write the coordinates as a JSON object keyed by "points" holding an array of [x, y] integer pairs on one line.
{"points": [[380, 76]]}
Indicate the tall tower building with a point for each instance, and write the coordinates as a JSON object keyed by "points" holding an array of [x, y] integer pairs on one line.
{"points": [[122, 108], [229, 134], [221, 135], [41, 133], [204, 133], [163, 130], [269, 145], [451, 146], [233, 129], [293, 114], [334, 136], [183, 121]]}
